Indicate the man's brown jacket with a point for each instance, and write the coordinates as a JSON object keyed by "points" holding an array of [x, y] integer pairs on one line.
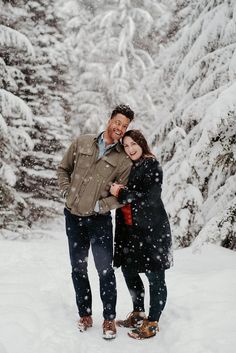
{"points": [[85, 179]]}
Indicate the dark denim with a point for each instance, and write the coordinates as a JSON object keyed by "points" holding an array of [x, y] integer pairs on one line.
{"points": [[97, 231], [157, 288]]}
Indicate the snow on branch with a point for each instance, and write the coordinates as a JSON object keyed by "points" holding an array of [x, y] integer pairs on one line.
{"points": [[205, 36], [21, 139], [108, 19], [13, 105], [3, 126], [145, 57], [144, 17], [218, 112], [8, 173], [218, 228], [12, 38]]}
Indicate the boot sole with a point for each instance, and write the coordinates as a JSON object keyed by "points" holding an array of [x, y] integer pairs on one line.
{"points": [[109, 337], [83, 328], [137, 337]]}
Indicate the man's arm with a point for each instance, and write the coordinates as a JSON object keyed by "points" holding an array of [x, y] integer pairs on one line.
{"points": [[110, 202], [66, 168]]}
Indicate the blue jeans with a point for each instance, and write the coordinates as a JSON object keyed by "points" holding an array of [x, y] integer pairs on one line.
{"points": [[158, 292], [95, 231]]}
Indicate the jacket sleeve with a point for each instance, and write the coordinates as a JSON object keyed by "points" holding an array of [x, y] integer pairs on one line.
{"points": [[108, 203], [152, 181], [66, 168]]}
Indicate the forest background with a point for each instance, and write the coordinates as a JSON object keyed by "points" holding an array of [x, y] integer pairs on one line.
{"points": [[65, 64]]}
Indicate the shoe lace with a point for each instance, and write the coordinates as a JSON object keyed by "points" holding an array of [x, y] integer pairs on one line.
{"points": [[86, 320], [109, 325]]}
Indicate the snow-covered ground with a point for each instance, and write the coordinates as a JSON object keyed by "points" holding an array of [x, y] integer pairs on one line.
{"points": [[38, 312]]}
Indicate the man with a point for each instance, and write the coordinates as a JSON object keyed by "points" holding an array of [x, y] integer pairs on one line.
{"points": [[91, 164]]}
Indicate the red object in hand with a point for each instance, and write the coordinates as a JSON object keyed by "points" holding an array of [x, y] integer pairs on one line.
{"points": [[126, 210]]}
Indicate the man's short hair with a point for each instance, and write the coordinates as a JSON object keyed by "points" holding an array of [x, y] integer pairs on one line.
{"points": [[124, 110]]}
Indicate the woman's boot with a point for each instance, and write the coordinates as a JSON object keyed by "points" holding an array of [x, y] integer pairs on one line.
{"points": [[146, 330]]}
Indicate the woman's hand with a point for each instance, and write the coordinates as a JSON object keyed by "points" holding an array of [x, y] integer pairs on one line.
{"points": [[115, 188]]}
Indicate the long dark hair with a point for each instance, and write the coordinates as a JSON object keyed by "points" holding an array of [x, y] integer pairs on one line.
{"points": [[138, 137]]}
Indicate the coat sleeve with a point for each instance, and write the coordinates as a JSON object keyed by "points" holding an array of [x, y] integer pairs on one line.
{"points": [[152, 181], [66, 168], [109, 203]]}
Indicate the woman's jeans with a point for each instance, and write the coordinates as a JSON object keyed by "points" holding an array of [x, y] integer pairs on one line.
{"points": [[95, 231], [158, 292]]}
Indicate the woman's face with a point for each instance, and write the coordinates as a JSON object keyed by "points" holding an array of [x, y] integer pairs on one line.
{"points": [[132, 149]]}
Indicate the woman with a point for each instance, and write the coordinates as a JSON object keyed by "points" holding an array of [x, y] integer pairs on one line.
{"points": [[142, 236]]}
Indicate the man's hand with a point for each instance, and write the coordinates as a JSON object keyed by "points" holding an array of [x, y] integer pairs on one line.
{"points": [[115, 188]]}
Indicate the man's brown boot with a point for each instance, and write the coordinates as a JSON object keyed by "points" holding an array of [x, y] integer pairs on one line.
{"points": [[109, 329], [85, 322]]}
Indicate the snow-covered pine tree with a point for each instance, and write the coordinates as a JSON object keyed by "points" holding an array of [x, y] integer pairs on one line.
{"points": [[49, 80], [49, 77], [15, 120], [114, 42], [41, 82], [38, 180], [197, 139]]}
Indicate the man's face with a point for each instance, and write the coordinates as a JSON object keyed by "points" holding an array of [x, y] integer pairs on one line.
{"points": [[117, 126]]}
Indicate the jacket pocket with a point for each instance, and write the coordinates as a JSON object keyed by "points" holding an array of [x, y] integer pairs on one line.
{"points": [[84, 161], [106, 167]]}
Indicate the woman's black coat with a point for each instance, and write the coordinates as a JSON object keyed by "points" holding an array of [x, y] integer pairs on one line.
{"points": [[145, 245]]}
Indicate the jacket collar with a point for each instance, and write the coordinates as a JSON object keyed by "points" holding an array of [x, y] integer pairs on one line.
{"points": [[138, 162], [141, 160], [117, 146]]}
